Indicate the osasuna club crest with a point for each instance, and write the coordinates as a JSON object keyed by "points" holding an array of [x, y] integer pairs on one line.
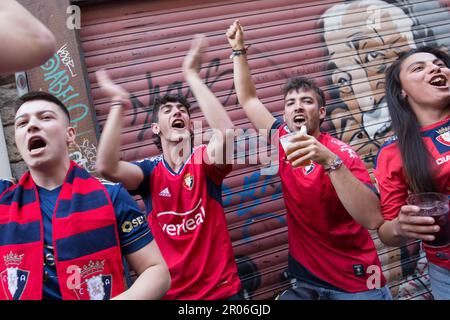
{"points": [[94, 284], [188, 181], [308, 169], [13, 279], [444, 136]]}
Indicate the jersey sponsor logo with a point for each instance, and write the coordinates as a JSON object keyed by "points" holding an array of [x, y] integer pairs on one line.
{"points": [[165, 193], [180, 223], [188, 181], [13, 279], [128, 226], [442, 160]]}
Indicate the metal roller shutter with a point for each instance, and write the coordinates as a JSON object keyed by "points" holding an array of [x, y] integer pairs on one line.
{"points": [[142, 44]]}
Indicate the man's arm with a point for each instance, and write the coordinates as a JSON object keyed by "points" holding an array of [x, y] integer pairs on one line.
{"points": [[108, 162], [214, 112], [26, 42], [153, 275], [260, 117], [357, 198]]}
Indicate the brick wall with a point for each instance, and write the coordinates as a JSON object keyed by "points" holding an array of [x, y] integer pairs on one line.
{"points": [[7, 95]]}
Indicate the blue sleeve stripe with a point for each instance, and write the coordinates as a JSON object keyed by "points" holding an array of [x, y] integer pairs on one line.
{"points": [[387, 142], [372, 187], [214, 190], [16, 233], [86, 243], [81, 203], [275, 126], [138, 238]]}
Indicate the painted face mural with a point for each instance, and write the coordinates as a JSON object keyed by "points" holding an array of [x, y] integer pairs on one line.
{"points": [[363, 38]]}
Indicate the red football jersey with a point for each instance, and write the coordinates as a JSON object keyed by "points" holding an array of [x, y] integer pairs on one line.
{"points": [[188, 223], [392, 182], [323, 236]]}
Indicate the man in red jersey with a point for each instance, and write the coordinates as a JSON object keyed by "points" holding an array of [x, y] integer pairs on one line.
{"points": [[329, 196], [181, 188]]}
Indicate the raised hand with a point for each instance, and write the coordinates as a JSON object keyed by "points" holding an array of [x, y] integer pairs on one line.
{"points": [[192, 61], [235, 36], [114, 91]]}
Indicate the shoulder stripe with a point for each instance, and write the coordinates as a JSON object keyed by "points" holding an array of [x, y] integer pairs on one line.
{"points": [[138, 238], [388, 142]]}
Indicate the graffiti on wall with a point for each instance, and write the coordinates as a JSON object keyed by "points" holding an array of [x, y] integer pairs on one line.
{"points": [[58, 74], [212, 76], [84, 154], [363, 38], [361, 47]]}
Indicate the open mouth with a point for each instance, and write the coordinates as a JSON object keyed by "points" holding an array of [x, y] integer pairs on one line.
{"points": [[179, 124], [299, 120], [438, 81], [36, 145]]}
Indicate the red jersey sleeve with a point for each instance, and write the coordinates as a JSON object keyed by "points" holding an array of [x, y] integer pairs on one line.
{"points": [[391, 181], [352, 161], [215, 173]]}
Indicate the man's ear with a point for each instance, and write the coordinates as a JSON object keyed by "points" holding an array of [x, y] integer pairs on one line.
{"points": [[155, 129], [70, 135], [322, 112]]}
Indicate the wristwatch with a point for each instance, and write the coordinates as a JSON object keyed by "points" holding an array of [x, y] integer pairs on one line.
{"points": [[334, 165]]}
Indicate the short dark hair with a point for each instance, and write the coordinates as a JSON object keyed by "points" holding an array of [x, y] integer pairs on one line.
{"points": [[41, 95], [160, 101], [302, 83]]}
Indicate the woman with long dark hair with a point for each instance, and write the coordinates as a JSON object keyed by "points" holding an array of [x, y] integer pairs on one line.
{"points": [[417, 158]]}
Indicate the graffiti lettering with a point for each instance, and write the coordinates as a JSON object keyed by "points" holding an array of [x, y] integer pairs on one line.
{"points": [[176, 87], [58, 85], [85, 155], [66, 59], [249, 198]]}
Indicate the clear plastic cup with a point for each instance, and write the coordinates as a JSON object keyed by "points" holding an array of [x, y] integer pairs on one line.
{"points": [[436, 205], [284, 140]]}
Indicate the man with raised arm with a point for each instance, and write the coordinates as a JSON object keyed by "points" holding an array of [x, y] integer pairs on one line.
{"points": [[329, 197], [181, 188]]}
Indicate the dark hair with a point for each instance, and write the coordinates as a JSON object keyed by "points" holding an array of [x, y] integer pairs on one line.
{"points": [[415, 156], [302, 83], [160, 101], [41, 95]]}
